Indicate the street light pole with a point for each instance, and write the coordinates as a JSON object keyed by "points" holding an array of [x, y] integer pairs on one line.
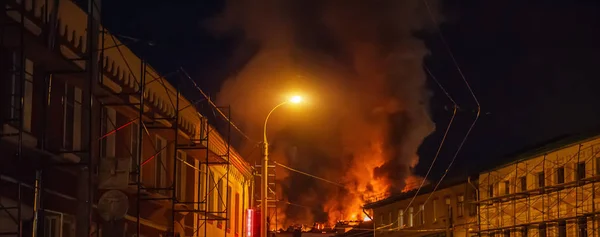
{"points": [[264, 205]]}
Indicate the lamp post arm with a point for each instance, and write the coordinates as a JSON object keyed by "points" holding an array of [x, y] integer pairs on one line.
{"points": [[267, 120]]}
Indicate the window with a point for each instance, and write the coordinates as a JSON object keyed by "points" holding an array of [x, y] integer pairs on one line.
{"points": [[410, 217], [52, 225], [490, 191], [523, 182], [180, 175], [560, 175], [597, 165], [160, 162], [202, 184], [134, 137], [562, 229], [449, 207], [460, 205], [542, 230], [524, 231], [228, 194], [434, 209], [19, 86], [108, 118], [541, 179], [236, 216], [506, 187], [400, 218], [210, 198], [473, 205], [390, 218], [422, 214], [58, 224], [220, 201], [581, 170], [72, 118], [582, 227], [506, 233]]}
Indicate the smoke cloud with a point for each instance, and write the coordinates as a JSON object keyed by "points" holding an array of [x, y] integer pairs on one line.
{"points": [[360, 67]]}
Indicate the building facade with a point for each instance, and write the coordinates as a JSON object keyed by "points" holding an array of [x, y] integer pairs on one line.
{"points": [[448, 211], [550, 191], [91, 132]]}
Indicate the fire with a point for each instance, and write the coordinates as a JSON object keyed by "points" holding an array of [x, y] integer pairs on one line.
{"points": [[366, 218], [363, 185]]}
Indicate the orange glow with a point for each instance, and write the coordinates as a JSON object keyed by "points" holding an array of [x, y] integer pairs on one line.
{"points": [[362, 183], [296, 99]]}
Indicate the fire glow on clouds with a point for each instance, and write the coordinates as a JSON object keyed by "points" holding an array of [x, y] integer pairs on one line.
{"points": [[368, 114]]}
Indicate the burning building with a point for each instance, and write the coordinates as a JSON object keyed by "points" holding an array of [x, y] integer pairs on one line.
{"points": [[367, 112]]}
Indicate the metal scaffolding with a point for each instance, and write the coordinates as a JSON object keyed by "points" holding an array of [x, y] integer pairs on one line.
{"points": [[97, 97], [150, 119], [556, 190], [18, 36]]}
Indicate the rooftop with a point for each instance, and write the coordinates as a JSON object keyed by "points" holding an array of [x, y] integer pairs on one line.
{"points": [[426, 189]]}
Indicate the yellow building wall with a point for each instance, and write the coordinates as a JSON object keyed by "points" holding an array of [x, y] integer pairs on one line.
{"points": [[507, 203], [436, 214]]}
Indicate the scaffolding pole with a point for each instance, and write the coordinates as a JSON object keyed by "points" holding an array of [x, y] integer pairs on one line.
{"points": [[553, 186]]}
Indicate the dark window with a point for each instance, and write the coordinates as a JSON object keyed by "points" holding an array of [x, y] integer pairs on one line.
{"points": [[562, 229], [542, 230], [69, 113], [460, 205], [507, 187], [473, 205], [524, 231], [236, 216], [134, 152], [506, 233], [229, 217], [598, 165], [541, 179], [211, 192], [582, 224], [523, 181], [581, 170], [560, 175], [491, 190], [103, 131]]}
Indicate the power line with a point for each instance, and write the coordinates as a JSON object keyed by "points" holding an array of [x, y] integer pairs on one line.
{"points": [[215, 107], [310, 175], [441, 143], [472, 94], [470, 90]]}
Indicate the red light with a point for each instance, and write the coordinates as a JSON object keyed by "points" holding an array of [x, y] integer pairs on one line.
{"points": [[252, 223], [249, 222]]}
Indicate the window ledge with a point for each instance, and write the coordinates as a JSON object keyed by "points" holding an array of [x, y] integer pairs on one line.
{"points": [[28, 139], [71, 157]]}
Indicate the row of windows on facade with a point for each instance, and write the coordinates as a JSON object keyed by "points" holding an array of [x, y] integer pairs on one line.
{"points": [[57, 224], [542, 230], [540, 178], [406, 218], [72, 120]]}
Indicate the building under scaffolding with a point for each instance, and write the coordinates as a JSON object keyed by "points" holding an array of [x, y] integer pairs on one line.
{"points": [[97, 143], [550, 191]]}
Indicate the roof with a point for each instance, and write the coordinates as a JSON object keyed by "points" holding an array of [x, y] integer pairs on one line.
{"points": [[424, 190], [545, 147]]}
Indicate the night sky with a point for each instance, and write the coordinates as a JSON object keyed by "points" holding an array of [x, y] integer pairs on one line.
{"points": [[533, 66]]}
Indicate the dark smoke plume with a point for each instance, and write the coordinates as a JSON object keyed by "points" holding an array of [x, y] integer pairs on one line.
{"points": [[360, 66]]}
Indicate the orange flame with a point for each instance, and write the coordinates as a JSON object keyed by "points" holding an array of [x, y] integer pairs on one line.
{"points": [[364, 186]]}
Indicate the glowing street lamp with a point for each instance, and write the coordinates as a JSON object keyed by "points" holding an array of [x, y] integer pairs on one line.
{"points": [[264, 176]]}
